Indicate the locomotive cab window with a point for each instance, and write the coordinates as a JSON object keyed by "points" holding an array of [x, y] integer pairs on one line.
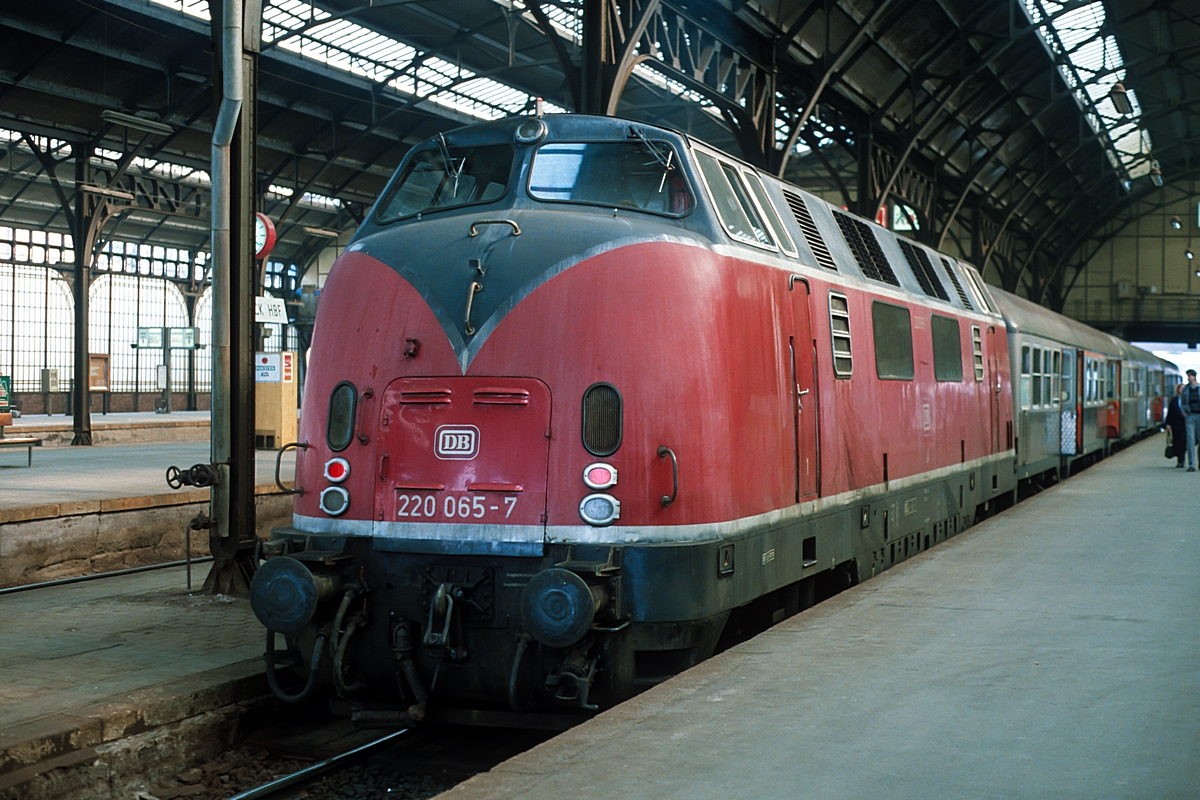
{"points": [[893, 342], [732, 200], [339, 429], [448, 177], [947, 349], [642, 175]]}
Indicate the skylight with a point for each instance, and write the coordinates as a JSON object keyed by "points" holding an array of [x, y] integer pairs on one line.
{"points": [[369, 54], [1091, 64]]}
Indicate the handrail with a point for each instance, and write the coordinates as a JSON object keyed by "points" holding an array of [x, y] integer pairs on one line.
{"points": [[279, 459], [474, 288], [366, 395], [663, 452], [516, 228]]}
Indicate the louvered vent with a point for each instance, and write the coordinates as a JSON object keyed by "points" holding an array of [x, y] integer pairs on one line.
{"points": [[601, 419], [809, 228], [865, 247], [957, 286], [922, 267]]}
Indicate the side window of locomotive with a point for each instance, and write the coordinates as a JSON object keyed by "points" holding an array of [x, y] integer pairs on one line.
{"points": [[839, 327], [641, 175], [947, 349], [893, 342], [764, 202], [977, 352], [732, 200], [440, 178], [339, 429], [1026, 377]]}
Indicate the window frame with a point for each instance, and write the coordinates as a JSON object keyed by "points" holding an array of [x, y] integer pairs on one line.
{"points": [[782, 237], [875, 335], [697, 153], [933, 321], [397, 181]]}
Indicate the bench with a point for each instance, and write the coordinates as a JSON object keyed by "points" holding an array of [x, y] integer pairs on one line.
{"points": [[10, 442]]}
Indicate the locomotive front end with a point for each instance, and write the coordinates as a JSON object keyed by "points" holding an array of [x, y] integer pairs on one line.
{"points": [[458, 412]]}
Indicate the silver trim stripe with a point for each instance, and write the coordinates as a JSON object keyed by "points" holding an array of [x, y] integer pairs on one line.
{"points": [[520, 537]]}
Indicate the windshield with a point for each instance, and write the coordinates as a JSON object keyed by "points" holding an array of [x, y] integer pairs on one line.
{"points": [[444, 177], [643, 175]]}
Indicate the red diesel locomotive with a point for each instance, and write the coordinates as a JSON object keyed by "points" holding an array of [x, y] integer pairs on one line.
{"points": [[582, 391]]}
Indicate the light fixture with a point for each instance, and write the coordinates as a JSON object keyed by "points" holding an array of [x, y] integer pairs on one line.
{"points": [[1156, 176], [1190, 255], [136, 123], [1126, 184], [1176, 222], [104, 191], [324, 233], [1120, 99]]}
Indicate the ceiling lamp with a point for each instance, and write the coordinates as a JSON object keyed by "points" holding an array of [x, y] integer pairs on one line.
{"points": [[1190, 255], [136, 123], [1176, 222], [1120, 99], [1156, 175]]}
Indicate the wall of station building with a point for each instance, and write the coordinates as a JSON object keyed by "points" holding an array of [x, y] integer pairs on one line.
{"points": [[1142, 273]]}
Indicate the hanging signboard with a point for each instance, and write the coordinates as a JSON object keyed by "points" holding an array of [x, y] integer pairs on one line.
{"points": [[183, 338], [270, 309], [149, 338]]}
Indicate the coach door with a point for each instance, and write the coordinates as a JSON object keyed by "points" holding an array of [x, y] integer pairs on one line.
{"points": [[804, 393]]}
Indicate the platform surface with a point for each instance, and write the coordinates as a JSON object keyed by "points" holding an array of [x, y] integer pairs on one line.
{"points": [[1052, 651], [66, 651], [73, 474]]}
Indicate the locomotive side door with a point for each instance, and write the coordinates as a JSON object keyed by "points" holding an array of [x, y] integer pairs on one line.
{"points": [[802, 349]]}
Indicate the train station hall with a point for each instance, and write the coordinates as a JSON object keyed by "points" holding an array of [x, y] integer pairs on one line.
{"points": [[816, 412]]}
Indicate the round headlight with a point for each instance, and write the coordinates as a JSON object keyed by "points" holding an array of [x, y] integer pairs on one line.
{"points": [[530, 131], [337, 469], [335, 500], [600, 509], [599, 476]]}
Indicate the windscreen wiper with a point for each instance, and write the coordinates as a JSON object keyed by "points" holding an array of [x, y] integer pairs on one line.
{"points": [[448, 163], [657, 152]]}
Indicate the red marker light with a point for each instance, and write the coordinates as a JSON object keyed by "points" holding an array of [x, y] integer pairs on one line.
{"points": [[599, 476], [337, 469]]}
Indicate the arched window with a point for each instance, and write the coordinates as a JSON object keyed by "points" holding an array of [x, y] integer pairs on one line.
{"points": [[37, 324]]}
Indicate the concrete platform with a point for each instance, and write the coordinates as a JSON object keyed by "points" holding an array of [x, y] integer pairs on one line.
{"points": [[1051, 651], [87, 665], [81, 510], [126, 428]]}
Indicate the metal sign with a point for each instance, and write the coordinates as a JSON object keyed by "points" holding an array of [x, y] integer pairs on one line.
{"points": [[183, 338], [270, 309], [5, 392], [149, 338], [267, 368]]}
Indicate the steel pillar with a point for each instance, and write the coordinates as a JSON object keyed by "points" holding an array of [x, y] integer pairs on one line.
{"points": [[83, 234], [233, 537]]}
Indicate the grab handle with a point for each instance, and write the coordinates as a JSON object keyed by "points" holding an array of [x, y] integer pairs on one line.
{"points": [[516, 228], [362, 401], [663, 452], [472, 290], [279, 458]]}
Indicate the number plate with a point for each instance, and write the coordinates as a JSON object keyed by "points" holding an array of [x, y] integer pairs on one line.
{"points": [[454, 506]]}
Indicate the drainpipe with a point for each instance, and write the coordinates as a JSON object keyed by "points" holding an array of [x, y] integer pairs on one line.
{"points": [[227, 118]]}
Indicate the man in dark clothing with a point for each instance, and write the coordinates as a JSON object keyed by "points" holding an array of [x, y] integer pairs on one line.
{"points": [[1190, 405], [1175, 421]]}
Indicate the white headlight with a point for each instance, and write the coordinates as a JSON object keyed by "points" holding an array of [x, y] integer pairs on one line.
{"points": [[600, 509], [335, 500]]}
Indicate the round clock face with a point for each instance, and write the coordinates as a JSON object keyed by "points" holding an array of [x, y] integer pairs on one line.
{"points": [[264, 235]]}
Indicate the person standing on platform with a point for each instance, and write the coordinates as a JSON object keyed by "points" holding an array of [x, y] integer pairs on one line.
{"points": [[1190, 403], [1175, 422]]}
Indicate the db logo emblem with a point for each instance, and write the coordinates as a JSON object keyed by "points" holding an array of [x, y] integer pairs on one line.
{"points": [[456, 442]]}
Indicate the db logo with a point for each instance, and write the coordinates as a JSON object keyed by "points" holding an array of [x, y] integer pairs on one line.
{"points": [[456, 442]]}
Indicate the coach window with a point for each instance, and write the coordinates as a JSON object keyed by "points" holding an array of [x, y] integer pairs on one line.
{"points": [[1112, 380], [1026, 379], [1037, 377], [893, 342], [977, 352], [733, 203], [839, 327], [1055, 388], [947, 349]]}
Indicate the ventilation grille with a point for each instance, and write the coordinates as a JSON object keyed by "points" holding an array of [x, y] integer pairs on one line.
{"points": [[809, 228], [865, 247], [601, 419], [957, 286], [922, 267], [501, 396]]}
